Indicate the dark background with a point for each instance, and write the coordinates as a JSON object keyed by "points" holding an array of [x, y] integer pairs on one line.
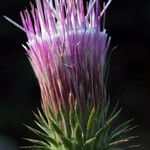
{"points": [[128, 22]]}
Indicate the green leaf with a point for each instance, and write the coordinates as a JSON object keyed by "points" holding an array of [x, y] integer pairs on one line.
{"points": [[119, 133], [50, 115], [88, 143], [113, 118], [132, 147], [56, 128], [42, 123], [114, 110], [43, 136], [107, 125], [72, 120], [44, 128], [101, 116], [122, 126], [122, 132], [121, 141], [36, 147], [65, 122], [37, 132], [67, 143], [78, 134], [77, 111], [37, 142], [90, 124]]}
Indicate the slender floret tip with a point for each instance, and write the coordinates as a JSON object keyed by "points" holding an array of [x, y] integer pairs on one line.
{"points": [[14, 23]]}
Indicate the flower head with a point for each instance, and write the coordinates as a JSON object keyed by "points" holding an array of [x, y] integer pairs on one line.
{"points": [[67, 47]]}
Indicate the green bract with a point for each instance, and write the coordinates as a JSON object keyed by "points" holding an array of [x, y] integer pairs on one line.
{"points": [[97, 132]]}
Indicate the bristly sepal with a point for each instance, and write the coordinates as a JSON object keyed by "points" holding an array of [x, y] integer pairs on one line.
{"points": [[107, 136]]}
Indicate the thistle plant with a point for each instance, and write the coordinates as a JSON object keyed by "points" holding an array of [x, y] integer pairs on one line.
{"points": [[68, 50]]}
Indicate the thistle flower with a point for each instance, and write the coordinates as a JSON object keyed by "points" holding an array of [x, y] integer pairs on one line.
{"points": [[67, 47]]}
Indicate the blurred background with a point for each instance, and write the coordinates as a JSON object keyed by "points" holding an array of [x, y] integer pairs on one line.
{"points": [[128, 23]]}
